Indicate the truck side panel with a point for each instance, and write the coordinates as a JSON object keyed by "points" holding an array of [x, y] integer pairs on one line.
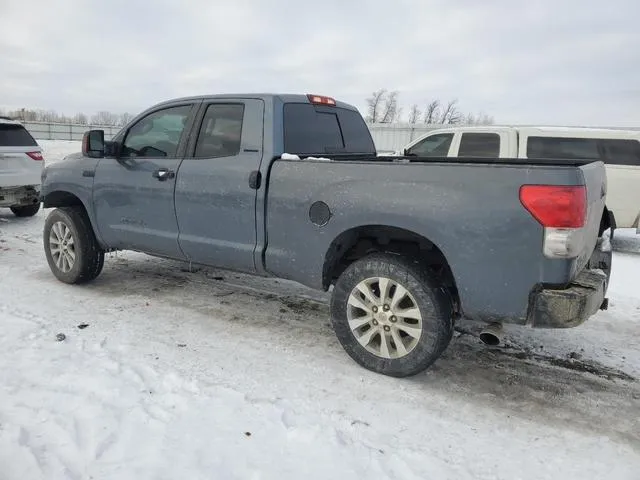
{"points": [[215, 204], [494, 249]]}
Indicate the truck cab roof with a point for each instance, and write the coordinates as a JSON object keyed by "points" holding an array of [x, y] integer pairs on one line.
{"points": [[267, 97]]}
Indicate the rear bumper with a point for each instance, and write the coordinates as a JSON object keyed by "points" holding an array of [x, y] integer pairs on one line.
{"points": [[571, 306], [19, 196]]}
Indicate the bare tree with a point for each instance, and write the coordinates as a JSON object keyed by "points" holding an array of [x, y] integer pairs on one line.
{"points": [[51, 116], [414, 114], [125, 118], [374, 103], [80, 118], [479, 119], [104, 118], [390, 108], [484, 119], [450, 114], [431, 112]]}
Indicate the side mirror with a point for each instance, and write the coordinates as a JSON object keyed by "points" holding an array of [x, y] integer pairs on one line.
{"points": [[405, 152], [93, 144]]}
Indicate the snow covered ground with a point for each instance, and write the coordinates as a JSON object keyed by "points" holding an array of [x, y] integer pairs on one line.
{"points": [[165, 373]]}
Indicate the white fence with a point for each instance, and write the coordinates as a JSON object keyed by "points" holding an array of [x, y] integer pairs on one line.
{"points": [[386, 136], [65, 131]]}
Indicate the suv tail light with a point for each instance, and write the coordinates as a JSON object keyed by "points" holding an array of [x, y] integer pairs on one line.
{"points": [[562, 211], [36, 155]]}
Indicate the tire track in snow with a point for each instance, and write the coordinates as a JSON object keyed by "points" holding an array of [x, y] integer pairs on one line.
{"points": [[69, 419]]}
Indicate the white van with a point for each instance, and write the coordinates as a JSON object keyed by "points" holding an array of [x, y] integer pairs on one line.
{"points": [[619, 149]]}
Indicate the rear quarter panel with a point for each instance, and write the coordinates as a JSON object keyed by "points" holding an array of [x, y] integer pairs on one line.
{"points": [[471, 212]]}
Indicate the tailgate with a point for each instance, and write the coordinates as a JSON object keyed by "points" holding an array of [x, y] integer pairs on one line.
{"points": [[17, 168], [595, 180]]}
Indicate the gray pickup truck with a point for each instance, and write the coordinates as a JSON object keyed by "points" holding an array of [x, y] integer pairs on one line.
{"points": [[290, 186]]}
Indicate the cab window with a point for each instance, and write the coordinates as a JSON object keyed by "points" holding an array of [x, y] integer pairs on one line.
{"points": [[158, 134], [479, 145], [221, 131], [433, 146]]}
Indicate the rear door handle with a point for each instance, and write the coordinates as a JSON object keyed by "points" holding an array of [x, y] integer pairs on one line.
{"points": [[163, 173], [255, 179]]}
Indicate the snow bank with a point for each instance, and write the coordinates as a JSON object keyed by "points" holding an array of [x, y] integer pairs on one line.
{"points": [[289, 156], [76, 409]]}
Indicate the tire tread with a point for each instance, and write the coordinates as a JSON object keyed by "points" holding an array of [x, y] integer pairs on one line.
{"points": [[91, 256], [435, 305]]}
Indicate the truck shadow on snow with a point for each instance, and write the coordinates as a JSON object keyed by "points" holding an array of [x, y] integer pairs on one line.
{"points": [[518, 377], [157, 278]]}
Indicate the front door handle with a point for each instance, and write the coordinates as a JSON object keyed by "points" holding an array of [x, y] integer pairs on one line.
{"points": [[163, 173]]}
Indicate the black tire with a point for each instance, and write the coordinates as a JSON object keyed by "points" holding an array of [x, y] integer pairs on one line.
{"points": [[432, 301], [602, 260], [89, 257], [26, 210]]}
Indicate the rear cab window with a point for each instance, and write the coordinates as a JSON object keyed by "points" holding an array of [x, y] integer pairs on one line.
{"points": [[315, 129], [220, 132], [15, 135]]}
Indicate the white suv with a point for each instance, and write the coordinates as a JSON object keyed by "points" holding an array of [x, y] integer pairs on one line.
{"points": [[21, 164]]}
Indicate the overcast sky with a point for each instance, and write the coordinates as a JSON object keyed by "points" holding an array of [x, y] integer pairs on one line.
{"points": [[571, 62]]}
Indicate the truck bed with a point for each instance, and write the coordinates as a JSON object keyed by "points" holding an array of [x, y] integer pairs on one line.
{"points": [[464, 160], [469, 209]]}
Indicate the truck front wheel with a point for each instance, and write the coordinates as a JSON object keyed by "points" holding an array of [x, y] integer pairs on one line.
{"points": [[70, 246], [390, 316]]}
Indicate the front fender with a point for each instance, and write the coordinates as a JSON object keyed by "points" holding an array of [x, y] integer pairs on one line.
{"points": [[69, 183]]}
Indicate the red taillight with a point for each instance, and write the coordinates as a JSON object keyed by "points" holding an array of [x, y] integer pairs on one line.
{"points": [[556, 206], [321, 100], [36, 155]]}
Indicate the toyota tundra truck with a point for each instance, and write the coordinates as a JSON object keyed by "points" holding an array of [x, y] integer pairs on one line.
{"points": [[290, 186]]}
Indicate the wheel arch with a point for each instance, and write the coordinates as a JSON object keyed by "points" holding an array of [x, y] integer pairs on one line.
{"points": [[61, 198], [357, 242], [607, 221], [64, 198]]}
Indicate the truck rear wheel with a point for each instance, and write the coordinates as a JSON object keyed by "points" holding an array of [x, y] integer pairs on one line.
{"points": [[390, 316], [70, 246]]}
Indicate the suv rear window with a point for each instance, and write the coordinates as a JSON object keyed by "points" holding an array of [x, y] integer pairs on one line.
{"points": [[621, 152], [611, 151], [559, 147], [310, 129], [14, 135]]}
